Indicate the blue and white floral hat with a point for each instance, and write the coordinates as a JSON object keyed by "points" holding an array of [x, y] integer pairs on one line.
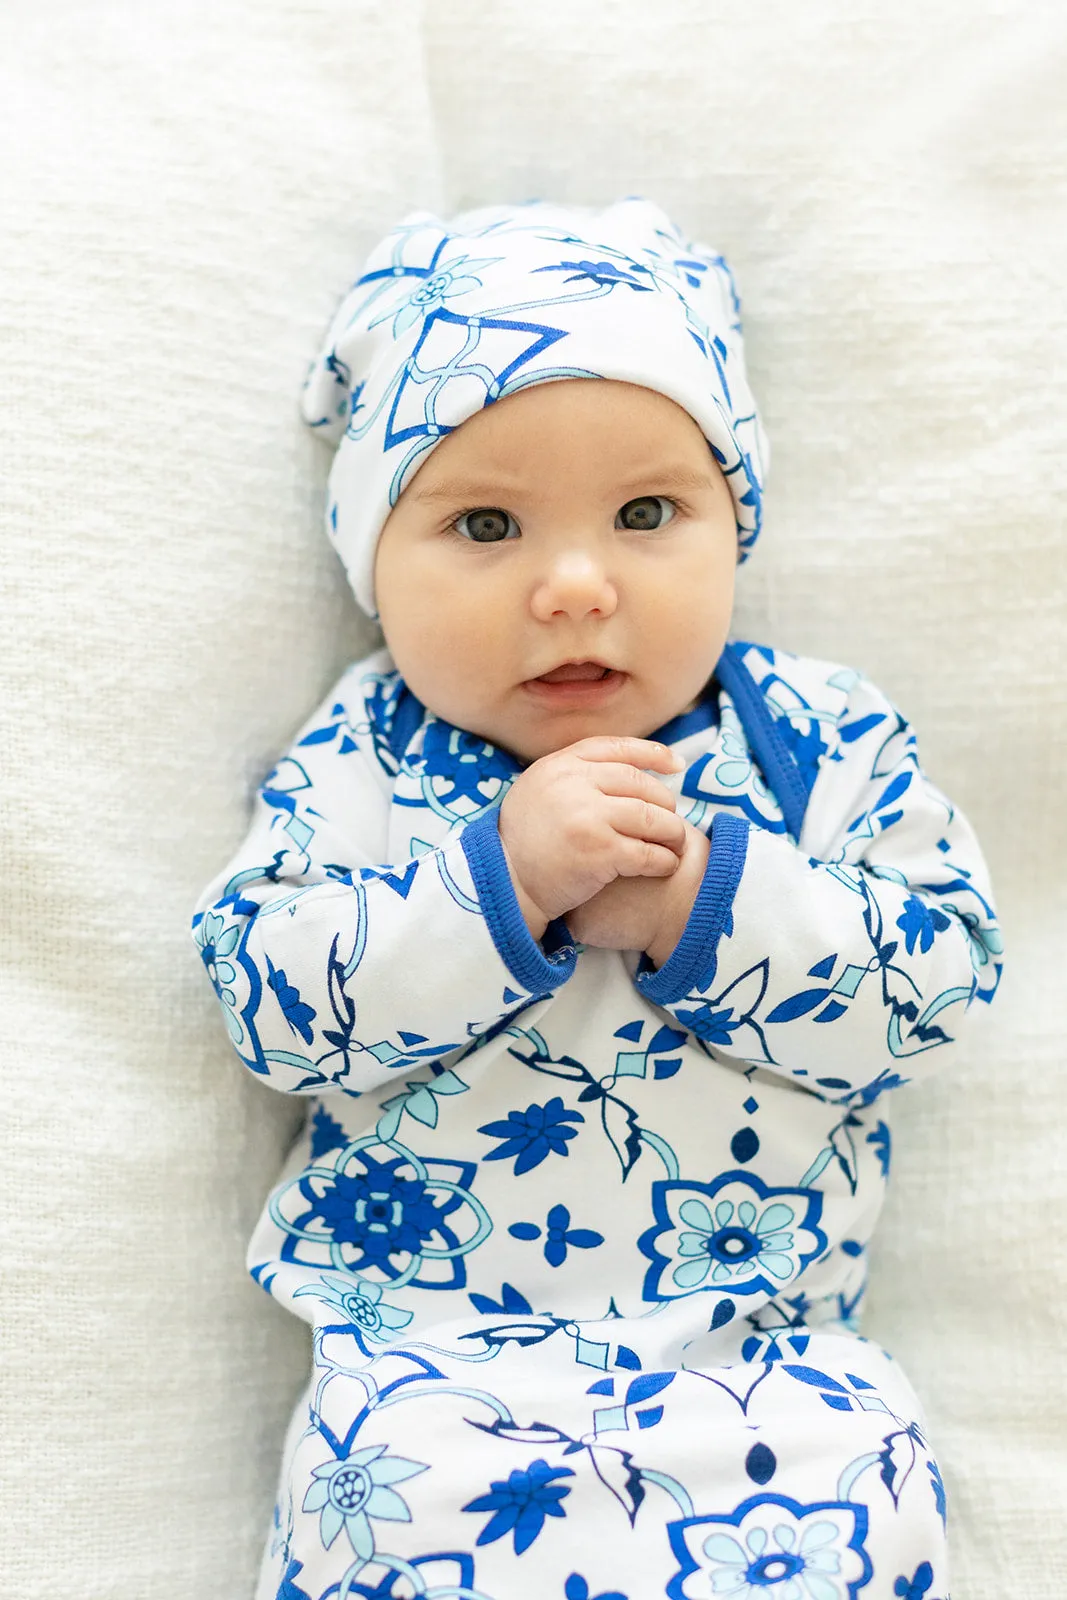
{"points": [[448, 317]]}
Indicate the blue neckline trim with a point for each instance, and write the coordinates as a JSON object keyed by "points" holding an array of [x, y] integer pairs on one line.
{"points": [[775, 759], [406, 720], [538, 968], [705, 714]]}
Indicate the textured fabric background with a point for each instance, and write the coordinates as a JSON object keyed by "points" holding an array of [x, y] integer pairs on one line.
{"points": [[184, 193]]}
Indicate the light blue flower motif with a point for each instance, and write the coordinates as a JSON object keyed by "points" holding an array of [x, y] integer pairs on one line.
{"points": [[735, 1234], [734, 766], [350, 1492], [444, 284], [777, 1549], [216, 943], [731, 1243], [776, 1560], [358, 1301], [418, 1100]]}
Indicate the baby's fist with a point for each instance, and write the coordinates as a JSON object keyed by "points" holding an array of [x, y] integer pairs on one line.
{"points": [[582, 816]]}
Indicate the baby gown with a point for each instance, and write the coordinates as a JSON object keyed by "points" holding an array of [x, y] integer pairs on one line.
{"points": [[582, 1242]]}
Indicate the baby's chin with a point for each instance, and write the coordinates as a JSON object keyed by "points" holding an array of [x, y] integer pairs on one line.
{"points": [[529, 744]]}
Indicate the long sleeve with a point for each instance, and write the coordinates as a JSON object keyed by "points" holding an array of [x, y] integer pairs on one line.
{"points": [[841, 961], [335, 968]]}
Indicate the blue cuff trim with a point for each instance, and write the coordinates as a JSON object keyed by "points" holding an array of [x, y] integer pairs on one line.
{"points": [[776, 760], [691, 964], [539, 968]]}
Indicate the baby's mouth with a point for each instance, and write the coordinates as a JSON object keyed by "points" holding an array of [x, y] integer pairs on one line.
{"points": [[574, 685], [575, 672]]}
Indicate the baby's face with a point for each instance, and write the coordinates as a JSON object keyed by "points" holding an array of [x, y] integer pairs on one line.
{"points": [[578, 529]]}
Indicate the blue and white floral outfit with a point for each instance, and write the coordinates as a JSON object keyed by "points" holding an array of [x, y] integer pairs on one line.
{"points": [[583, 1242]]}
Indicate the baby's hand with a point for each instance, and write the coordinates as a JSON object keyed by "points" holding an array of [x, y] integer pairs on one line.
{"points": [[580, 817], [644, 913]]}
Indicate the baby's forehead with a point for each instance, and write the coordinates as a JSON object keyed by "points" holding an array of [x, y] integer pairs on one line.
{"points": [[568, 440], [602, 424], [572, 413]]}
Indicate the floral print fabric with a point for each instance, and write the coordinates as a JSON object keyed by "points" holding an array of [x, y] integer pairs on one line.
{"points": [[582, 1243]]}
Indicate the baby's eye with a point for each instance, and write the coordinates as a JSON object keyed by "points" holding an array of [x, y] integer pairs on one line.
{"points": [[487, 525], [642, 515]]}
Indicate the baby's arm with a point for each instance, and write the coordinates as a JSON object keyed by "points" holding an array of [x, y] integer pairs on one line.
{"points": [[843, 961], [338, 968], [336, 971]]}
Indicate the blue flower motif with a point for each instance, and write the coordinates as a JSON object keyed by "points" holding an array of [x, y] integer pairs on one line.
{"points": [[290, 1589], [602, 273], [560, 1235], [882, 1141], [576, 1588], [298, 1013], [884, 1082], [734, 1235], [357, 1213], [717, 1027], [378, 1211], [777, 1549], [217, 943], [939, 1489], [532, 1135], [920, 922], [520, 1503], [349, 1492], [805, 744], [916, 1587]]}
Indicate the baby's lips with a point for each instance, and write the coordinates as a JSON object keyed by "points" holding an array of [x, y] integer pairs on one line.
{"points": [[574, 672]]}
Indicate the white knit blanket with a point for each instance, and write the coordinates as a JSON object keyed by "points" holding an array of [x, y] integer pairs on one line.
{"points": [[185, 192]]}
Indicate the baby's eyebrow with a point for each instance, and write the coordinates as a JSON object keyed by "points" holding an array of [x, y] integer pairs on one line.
{"points": [[467, 489], [657, 475], [667, 475]]}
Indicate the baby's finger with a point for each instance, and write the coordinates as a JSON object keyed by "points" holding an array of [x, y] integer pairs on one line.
{"points": [[640, 819], [619, 778], [622, 748], [637, 858]]}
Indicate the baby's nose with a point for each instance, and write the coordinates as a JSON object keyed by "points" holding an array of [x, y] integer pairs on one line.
{"points": [[575, 583]]}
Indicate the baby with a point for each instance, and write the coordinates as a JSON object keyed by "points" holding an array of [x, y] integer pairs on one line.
{"points": [[597, 943]]}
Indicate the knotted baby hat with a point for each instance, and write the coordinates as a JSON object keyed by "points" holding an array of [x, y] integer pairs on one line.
{"points": [[448, 317]]}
